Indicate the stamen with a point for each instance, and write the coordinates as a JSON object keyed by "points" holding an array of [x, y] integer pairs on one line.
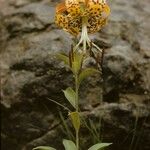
{"points": [[84, 35], [97, 47]]}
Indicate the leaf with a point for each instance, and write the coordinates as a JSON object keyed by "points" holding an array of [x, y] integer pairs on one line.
{"points": [[69, 145], [77, 62], [44, 148], [64, 58], [99, 146], [75, 118], [87, 72], [70, 95], [75, 67]]}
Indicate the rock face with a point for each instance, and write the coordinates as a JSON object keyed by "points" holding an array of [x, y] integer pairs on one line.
{"points": [[118, 120], [30, 74]]}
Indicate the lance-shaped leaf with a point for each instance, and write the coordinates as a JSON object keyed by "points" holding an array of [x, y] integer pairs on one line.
{"points": [[99, 146], [86, 73], [70, 95], [64, 58], [77, 62], [69, 145], [75, 119], [44, 148]]}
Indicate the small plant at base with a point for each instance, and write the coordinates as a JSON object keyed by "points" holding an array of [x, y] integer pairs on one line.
{"points": [[75, 16]]}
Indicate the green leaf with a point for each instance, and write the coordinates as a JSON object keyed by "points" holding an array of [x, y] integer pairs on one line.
{"points": [[87, 72], [70, 95], [69, 145], [75, 119], [77, 62], [75, 67], [64, 58], [99, 146], [44, 148]]}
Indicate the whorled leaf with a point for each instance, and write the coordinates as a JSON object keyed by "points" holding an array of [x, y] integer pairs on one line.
{"points": [[69, 145], [70, 96], [99, 146], [43, 148]]}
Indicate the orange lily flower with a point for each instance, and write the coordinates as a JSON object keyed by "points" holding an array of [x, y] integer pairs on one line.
{"points": [[85, 16]]}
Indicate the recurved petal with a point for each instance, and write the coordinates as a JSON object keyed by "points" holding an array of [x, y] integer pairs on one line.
{"points": [[73, 8], [69, 3], [61, 7], [72, 2], [94, 9], [95, 24], [106, 10], [61, 20], [68, 24], [96, 2]]}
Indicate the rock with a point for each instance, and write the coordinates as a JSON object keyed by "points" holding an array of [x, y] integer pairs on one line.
{"points": [[26, 122], [117, 121], [30, 18], [44, 13], [30, 74], [14, 85], [128, 55], [123, 70], [30, 71], [19, 3]]}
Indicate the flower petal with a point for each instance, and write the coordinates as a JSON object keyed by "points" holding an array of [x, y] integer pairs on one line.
{"points": [[73, 8], [106, 10], [61, 8]]}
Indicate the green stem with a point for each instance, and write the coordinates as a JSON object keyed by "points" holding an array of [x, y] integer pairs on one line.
{"points": [[77, 106], [77, 140], [77, 92]]}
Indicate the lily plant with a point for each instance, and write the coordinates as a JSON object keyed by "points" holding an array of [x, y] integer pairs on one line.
{"points": [[80, 18]]}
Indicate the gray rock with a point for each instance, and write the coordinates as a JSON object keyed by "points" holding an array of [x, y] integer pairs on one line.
{"points": [[117, 121], [30, 73], [30, 70], [30, 18], [44, 13], [14, 85]]}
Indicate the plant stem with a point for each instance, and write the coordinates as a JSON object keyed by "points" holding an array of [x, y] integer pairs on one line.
{"points": [[77, 92], [77, 106], [77, 140]]}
